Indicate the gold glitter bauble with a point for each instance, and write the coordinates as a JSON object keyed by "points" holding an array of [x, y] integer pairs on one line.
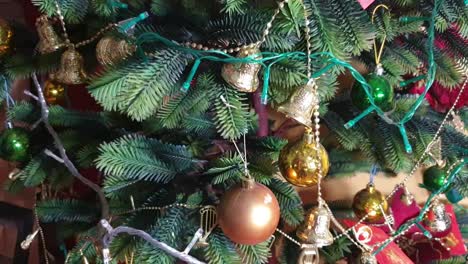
{"points": [[54, 93], [299, 162], [243, 76], [368, 201], [111, 50], [6, 35], [248, 213]]}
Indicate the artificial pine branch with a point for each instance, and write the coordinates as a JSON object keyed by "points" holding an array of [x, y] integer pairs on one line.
{"points": [[63, 155]]}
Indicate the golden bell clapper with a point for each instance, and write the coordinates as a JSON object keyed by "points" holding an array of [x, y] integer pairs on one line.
{"points": [[49, 41], [301, 104], [6, 36], [371, 203], [316, 228], [111, 50], [71, 70], [301, 163], [437, 219], [243, 76]]}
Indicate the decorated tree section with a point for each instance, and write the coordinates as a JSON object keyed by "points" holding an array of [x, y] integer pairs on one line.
{"points": [[179, 162]]}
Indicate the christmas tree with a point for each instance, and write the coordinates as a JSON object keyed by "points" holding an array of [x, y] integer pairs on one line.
{"points": [[180, 160]]}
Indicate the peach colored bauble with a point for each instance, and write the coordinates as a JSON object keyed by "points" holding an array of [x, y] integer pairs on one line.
{"points": [[248, 213]]}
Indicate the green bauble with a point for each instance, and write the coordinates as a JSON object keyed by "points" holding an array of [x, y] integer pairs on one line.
{"points": [[381, 91], [434, 178], [14, 144]]}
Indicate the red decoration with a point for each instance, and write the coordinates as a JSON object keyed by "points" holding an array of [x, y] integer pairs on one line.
{"points": [[423, 249], [392, 254], [442, 98]]}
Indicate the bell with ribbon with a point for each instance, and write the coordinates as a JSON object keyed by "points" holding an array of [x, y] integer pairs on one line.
{"points": [[301, 105], [71, 69], [49, 41], [437, 220], [111, 50], [243, 76]]}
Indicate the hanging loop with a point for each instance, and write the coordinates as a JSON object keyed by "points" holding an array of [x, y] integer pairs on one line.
{"points": [[378, 52]]}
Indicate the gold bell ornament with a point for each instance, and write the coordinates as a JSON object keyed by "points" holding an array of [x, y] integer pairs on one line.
{"points": [[316, 228], [301, 105], [6, 35], [299, 162], [71, 69], [49, 41], [370, 202], [309, 254], [111, 50], [437, 219], [243, 76]]}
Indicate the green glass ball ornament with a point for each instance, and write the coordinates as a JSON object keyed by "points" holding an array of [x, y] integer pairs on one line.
{"points": [[14, 144], [381, 91], [434, 178]]}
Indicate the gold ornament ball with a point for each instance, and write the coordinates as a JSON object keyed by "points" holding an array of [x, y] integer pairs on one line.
{"points": [[299, 162], [248, 213], [54, 93], [6, 35], [367, 201]]}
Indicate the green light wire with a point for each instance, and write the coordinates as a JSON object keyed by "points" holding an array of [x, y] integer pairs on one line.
{"points": [[419, 218], [268, 59]]}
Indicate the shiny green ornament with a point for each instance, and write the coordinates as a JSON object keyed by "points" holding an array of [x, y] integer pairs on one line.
{"points": [[434, 178], [381, 91], [14, 144]]}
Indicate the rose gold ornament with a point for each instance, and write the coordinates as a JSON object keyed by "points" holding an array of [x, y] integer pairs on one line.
{"points": [[243, 76], [372, 203], [299, 162], [248, 213], [71, 69]]}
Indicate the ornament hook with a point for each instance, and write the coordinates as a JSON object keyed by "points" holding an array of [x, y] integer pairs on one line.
{"points": [[378, 52]]}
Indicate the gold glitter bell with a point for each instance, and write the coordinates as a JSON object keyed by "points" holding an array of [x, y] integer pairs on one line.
{"points": [[300, 106], [71, 69], [243, 76], [111, 50], [49, 41], [437, 219], [299, 162]]}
